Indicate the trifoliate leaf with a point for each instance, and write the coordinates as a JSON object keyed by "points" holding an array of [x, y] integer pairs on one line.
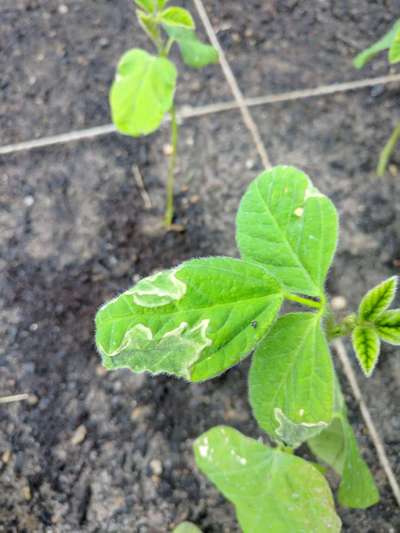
{"points": [[377, 300], [194, 53], [142, 92], [194, 321], [394, 50], [337, 446], [292, 374], [177, 16], [387, 325], [271, 490], [287, 225], [366, 345], [383, 44]]}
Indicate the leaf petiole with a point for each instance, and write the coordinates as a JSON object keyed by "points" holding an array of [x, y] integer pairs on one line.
{"points": [[169, 210], [303, 301]]}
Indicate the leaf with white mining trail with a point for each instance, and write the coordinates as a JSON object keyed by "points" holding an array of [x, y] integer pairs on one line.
{"points": [[289, 227], [292, 375], [272, 491], [194, 321]]}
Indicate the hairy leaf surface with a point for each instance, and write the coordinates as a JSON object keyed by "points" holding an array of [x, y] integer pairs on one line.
{"points": [[337, 446], [287, 225], [142, 92], [387, 326], [292, 371], [383, 44], [194, 53], [271, 490], [366, 345], [177, 16], [377, 300], [194, 321]]}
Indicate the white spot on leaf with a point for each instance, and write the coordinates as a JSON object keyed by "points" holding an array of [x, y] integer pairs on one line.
{"points": [[157, 290]]}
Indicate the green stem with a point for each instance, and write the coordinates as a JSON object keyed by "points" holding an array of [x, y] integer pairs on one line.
{"points": [[303, 301], [387, 151], [167, 48], [169, 211]]}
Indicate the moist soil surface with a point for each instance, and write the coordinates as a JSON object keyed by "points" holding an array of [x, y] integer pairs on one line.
{"points": [[95, 451]]}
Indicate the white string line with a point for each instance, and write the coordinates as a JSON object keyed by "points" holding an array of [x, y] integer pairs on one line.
{"points": [[340, 348], [233, 84], [377, 441], [218, 107], [14, 398]]}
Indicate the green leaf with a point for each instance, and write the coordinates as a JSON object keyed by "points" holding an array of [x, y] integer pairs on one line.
{"points": [[292, 373], [194, 321], [290, 227], [142, 92], [147, 5], [271, 490], [383, 44], [162, 3], [366, 345], [194, 53], [394, 50], [147, 23], [357, 488], [186, 527], [387, 326], [177, 16], [377, 300], [337, 446]]}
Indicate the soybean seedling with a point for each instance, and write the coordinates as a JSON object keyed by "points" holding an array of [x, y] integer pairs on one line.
{"points": [[144, 87], [391, 42], [199, 319]]}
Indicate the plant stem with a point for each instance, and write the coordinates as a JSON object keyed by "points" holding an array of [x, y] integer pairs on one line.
{"points": [[303, 301], [169, 211], [387, 151]]}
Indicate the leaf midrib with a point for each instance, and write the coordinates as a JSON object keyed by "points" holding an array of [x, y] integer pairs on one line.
{"points": [[285, 238]]}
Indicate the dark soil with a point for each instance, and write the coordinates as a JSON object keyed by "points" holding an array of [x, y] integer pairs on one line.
{"points": [[74, 232]]}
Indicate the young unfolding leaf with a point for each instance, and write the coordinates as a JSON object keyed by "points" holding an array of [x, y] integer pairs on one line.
{"points": [[177, 16], [292, 373], [383, 44], [271, 490], [142, 92], [194, 53], [148, 24], [147, 5], [387, 326], [366, 345], [337, 446], [394, 50], [291, 228], [377, 300], [194, 321]]}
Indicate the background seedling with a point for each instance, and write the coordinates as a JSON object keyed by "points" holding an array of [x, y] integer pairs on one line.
{"points": [[144, 87], [391, 42], [199, 319]]}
